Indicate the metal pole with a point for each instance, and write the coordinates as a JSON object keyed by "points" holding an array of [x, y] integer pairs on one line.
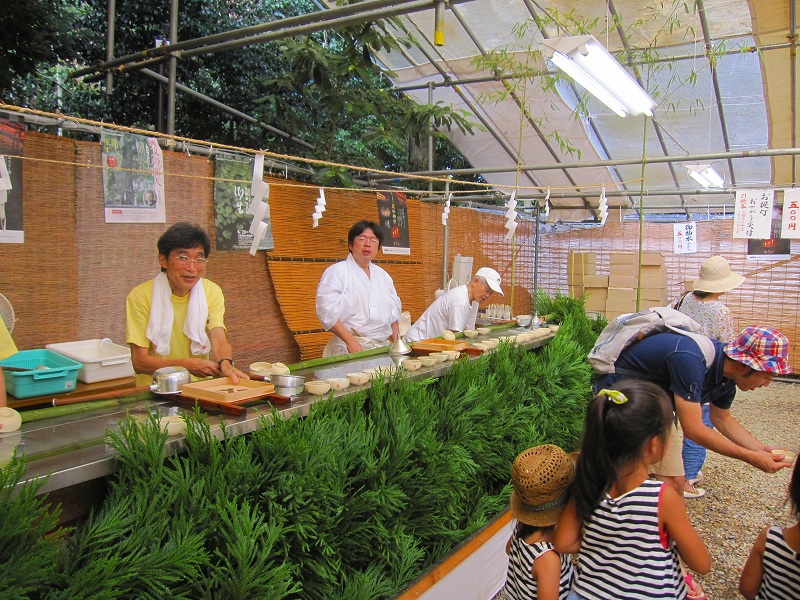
{"points": [[445, 278], [430, 139], [111, 19], [535, 265], [173, 68]]}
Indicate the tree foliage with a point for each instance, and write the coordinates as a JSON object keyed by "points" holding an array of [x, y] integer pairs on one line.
{"points": [[325, 88]]}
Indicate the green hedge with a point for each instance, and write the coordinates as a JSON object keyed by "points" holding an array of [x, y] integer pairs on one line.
{"points": [[354, 501]]}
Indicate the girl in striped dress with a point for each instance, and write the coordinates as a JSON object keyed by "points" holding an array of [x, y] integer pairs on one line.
{"points": [[772, 571], [627, 529], [541, 477]]}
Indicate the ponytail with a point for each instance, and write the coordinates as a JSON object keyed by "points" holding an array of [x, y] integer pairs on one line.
{"points": [[618, 424]]}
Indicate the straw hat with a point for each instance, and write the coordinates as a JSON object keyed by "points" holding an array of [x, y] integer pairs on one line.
{"points": [[541, 476], [716, 276]]}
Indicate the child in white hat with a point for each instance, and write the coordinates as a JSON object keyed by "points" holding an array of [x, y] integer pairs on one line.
{"points": [[542, 476]]}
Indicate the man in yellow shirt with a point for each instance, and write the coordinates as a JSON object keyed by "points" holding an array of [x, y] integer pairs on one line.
{"points": [[176, 319], [7, 348]]}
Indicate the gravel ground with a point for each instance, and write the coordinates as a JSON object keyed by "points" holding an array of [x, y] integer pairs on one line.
{"points": [[741, 500]]}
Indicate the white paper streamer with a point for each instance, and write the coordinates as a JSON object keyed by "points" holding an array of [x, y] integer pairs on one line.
{"points": [[259, 208]]}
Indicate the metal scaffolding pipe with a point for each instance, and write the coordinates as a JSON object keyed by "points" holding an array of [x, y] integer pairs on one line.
{"points": [[229, 109], [240, 33], [603, 163]]}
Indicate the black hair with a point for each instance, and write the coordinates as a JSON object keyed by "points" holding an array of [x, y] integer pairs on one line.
{"points": [[794, 490], [614, 436], [183, 236], [700, 293], [359, 228], [523, 530]]}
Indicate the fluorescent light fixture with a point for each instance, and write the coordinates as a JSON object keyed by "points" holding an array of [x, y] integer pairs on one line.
{"points": [[587, 62], [706, 176]]}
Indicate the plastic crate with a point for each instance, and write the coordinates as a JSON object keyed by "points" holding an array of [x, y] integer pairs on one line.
{"points": [[102, 359], [58, 378]]}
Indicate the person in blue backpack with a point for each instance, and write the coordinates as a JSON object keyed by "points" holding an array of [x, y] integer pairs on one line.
{"points": [[677, 363]]}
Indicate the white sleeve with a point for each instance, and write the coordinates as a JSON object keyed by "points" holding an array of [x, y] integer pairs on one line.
{"points": [[331, 295]]}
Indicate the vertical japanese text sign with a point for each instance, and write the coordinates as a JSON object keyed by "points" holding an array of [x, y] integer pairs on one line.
{"points": [[753, 214]]}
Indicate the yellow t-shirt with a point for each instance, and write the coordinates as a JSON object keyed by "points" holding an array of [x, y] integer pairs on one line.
{"points": [[138, 315], [7, 346]]}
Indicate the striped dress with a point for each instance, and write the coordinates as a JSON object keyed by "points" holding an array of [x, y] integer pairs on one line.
{"points": [[622, 554], [520, 584], [781, 569]]}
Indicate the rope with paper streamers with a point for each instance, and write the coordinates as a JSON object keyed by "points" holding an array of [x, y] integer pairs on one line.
{"points": [[182, 141]]}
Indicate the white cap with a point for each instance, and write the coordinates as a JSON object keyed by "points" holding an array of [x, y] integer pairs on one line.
{"points": [[492, 278]]}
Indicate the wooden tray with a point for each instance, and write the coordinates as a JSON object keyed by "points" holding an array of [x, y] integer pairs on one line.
{"points": [[222, 390], [424, 347]]}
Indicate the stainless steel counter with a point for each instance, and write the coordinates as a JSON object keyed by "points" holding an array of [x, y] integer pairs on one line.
{"points": [[72, 449]]}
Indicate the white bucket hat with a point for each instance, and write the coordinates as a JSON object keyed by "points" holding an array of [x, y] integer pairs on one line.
{"points": [[716, 276]]}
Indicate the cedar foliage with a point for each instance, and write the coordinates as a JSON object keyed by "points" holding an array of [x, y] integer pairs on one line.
{"points": [[353, 501]]}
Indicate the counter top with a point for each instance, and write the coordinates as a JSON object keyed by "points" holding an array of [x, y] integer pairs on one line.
{"points": [[72, 449]]}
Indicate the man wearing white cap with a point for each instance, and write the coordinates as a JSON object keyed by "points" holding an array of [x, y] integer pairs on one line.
{"points": [[457, 309]]}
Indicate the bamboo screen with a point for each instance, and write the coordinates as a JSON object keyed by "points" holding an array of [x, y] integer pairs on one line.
{"points": [[69, 280]]}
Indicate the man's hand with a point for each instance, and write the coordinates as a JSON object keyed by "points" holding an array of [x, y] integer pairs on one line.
{"points": [[768, 462]]}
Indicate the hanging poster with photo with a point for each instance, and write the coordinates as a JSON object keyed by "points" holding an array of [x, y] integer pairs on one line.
{"points": [[685, 238], [772, 247], [752, 216], [790, 224], [11, 136], [393, 220], [232, 197], [133, 178]]}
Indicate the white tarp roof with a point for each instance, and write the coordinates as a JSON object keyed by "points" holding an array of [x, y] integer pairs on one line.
{"points": [[743, 104]]}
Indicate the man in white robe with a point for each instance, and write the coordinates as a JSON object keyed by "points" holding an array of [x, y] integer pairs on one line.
{"points": [[457, 309], [356, 300]]}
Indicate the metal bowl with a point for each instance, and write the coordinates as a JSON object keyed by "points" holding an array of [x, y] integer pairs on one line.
{"points": [[169, 380], [288, 385]]}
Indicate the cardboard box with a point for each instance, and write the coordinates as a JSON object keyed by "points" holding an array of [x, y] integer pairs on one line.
{"points": [[623, 258], [575, 291], [596, 304], [655, 294], [581, 263], [621, 294], [652, 258], [688, 285], [595, 281], [645, 303], [623, 281], [596, 298], [624, 270]]}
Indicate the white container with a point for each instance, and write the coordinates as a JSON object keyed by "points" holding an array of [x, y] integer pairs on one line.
{"points": [[102, 359]]}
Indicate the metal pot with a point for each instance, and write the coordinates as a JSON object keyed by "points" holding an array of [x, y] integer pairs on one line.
{"points": [[169, 380], [288, 385]]}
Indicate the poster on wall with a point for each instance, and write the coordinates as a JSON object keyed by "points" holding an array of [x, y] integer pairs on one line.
{"points": [[685, 238], [790, 224], [232, 197], [11, 135], [772, 247], [133, 178], [393, 220], [752, 217]]}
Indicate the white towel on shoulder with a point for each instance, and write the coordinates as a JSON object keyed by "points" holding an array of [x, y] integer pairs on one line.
{"points": [[159, 326]]}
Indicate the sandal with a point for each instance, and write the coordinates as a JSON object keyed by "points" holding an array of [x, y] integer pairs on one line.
{"points": [[696, 591], [690, 491]]}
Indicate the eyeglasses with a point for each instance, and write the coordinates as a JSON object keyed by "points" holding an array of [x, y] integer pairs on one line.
{"points": [[200, 261], [363, 240]]}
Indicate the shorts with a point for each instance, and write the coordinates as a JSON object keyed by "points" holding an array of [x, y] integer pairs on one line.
{"points": [[671, 464]]}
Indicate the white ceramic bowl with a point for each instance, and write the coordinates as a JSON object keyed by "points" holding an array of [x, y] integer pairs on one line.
{"points": [[428, 361], [471, 333], [173, 425], [524, 320], [318, 387], [260, 369], [339, 383], [492, 343], [451, 354], [481, 346], [440, 356], [448, 335], [359, 378], [411, 364], [483, 330], [279, 369]]}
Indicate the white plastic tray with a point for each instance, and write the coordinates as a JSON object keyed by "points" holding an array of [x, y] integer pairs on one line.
{"points": [[102, 359]]}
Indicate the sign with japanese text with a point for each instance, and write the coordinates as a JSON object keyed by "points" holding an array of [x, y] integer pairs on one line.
{"points": [[685, 235], [752, 217], [393, 221], [791, 214]]}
